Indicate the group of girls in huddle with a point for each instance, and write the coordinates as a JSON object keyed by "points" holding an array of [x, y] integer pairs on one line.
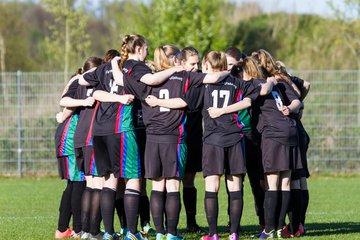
{"points": [[125, 122]]}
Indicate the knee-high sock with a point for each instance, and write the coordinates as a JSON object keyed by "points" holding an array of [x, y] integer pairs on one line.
{"points": [[65, 208], [295, 208], [95, 213], [236, 208], [119, 205], [107, 205], [131, 205], [78, 189], [285, 199], [270, 206], [212, 211], [86, 209], [172, 209], [190, 200], [305, 197], [144, 210], [157, 210]]}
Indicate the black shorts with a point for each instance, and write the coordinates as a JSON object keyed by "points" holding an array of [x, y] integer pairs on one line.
{"points": [[254, 167], [219, 160], [85, 160], [165, 160], [304, 140], [277, 157], [117, 154], [141, 140], [194, 158]]}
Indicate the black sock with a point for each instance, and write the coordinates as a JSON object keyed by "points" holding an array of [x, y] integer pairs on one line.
{"points": [[157, 210], [190, 200], [85, 209], [65, 208], [285, 199], [305, 197], [131, 205], [95, 213], [172, 209], [295, 208], [107, 205], [212, 211], [119, 205], [144, 210], [78, 189], [270, 206], [236, 208], [259, 195]]}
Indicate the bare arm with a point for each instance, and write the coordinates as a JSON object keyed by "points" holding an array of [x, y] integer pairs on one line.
{"points": [[104, 96], [116, 71], [82, 81], [153, 79], [71, 102], [266, 88], [215, 77], [294, 107], [64, 114], [235, 107], [172, 103], [295, 89], [306, 89], [66, 88]]}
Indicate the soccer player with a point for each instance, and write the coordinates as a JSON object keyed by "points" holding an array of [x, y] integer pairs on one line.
{"points": [[279, 144], [115, 148], [64, 141]]}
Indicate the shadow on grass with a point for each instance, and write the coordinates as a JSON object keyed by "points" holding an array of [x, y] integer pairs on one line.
{"points": [[312, 229]]}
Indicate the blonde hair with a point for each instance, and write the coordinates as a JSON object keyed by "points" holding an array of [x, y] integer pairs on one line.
{"points": [[163, 55], [188, 52], [130, 42], [250, 66], [217, 60]]}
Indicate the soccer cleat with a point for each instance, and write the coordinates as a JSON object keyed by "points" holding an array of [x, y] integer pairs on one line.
{"points": [[169, 236], [280, 234], [84, 235], [265, 235], [123, 231], [213, 237], [108, 236], [301, 231], [147, 229], [137, 236], [60, 235], [286, 232], [233, 236], [160, 236], [98, 236]]}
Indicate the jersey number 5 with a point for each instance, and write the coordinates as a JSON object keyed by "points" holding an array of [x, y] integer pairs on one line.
{"points": [[164, 94], [223, 94]]}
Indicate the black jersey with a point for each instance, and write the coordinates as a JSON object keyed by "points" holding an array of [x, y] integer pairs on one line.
{"points": [[271, 122], [168, 125], [193, 127], [133, 71], [111, 117], [62, 131], [83, 132], [225, 130]]}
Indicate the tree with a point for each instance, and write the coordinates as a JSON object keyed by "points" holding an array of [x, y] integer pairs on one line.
{"points": [[69, 42]]}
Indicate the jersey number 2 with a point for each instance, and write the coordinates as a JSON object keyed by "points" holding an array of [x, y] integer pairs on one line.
{"points": [[164, 94]]}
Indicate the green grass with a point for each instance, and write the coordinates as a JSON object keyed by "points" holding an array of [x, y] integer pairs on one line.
{"points": [[29, 208]]}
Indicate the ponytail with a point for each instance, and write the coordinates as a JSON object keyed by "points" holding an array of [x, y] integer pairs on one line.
{"points": [[163, 55], [130, 42]]}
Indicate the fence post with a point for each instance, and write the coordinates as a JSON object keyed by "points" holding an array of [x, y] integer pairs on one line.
{"points": [[18, 78]]}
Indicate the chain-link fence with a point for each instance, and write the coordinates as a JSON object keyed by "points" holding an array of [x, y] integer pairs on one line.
{"points": [[29, 102]]}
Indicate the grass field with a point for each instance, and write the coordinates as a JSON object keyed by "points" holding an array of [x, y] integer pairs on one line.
{"points": [[29, 208]]}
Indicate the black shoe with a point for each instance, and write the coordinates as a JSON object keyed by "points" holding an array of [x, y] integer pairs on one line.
{"points": [[194, 228]]}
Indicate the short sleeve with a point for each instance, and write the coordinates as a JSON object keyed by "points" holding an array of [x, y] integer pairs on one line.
{"points": [[139, 70], [250, 90], [194, 98], [72, 89], [196, 78], [93, 77]]}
